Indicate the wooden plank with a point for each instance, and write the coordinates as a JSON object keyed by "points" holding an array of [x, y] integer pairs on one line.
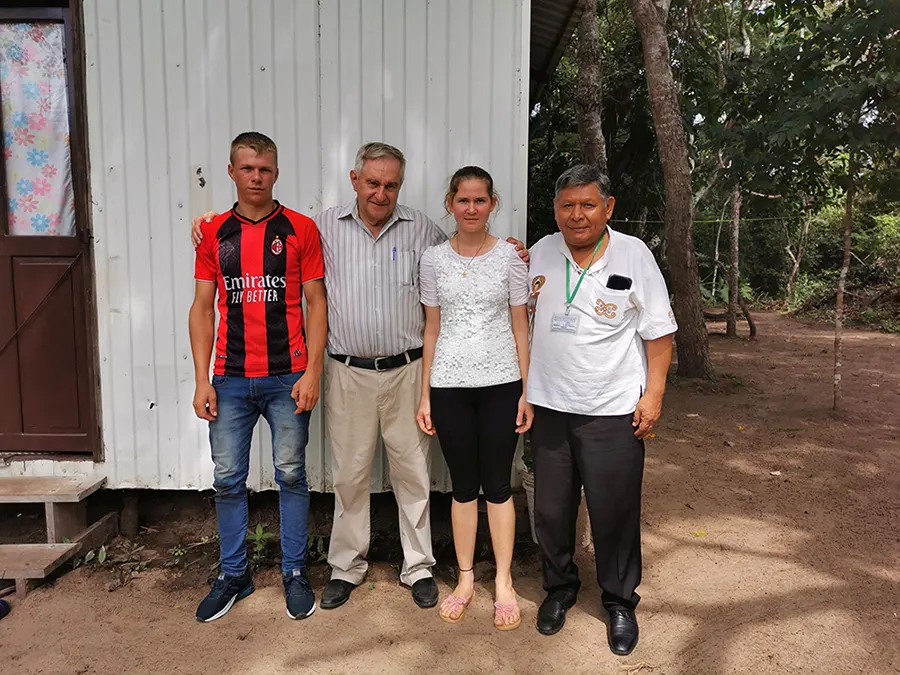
{"points": [[65, 520], [34, 489], [22, 588], [33, 561], [99, 533], [65, 443]]}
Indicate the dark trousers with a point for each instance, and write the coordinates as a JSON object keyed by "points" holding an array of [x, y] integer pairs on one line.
{"points": [[603, 455], [477, 430]]}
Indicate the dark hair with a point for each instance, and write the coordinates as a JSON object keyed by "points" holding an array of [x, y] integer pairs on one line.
{"points": [[259, 143], [469, 173], [583, 174]]}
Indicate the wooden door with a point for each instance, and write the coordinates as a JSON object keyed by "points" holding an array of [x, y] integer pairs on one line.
{"points": [[47, 387]]}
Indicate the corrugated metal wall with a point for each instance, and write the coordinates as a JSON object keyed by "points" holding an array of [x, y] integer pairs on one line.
{"points": [[171, 82]]}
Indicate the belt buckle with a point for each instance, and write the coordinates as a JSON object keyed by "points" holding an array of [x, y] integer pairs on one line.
{"points": [[377, 359]]}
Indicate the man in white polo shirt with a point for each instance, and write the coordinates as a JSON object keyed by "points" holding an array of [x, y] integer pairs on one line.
{"points": [[601, 348]]}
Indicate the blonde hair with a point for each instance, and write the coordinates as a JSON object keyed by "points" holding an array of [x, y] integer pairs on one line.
{"points": [[259, 143]]}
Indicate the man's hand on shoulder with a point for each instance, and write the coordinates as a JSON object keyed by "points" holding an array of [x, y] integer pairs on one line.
{"points": [[520, 248], [196, 223]]}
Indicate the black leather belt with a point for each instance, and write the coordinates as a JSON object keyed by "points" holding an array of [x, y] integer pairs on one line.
{"points": [[380, 363]]}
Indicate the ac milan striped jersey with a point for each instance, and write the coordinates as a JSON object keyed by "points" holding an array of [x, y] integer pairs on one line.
{"points": [[260, 268]]}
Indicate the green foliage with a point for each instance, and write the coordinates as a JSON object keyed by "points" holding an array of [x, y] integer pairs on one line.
{"points": [[828, 86], [813, 292], [258, 540], [775, 96], [554, 145], [317, 549], [98, 556]]}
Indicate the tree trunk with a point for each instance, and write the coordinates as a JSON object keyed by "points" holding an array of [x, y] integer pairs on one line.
{"points": [[692, 339], [589, 90], [842, 280], [734, 271], [716, 252], [797, 259]]}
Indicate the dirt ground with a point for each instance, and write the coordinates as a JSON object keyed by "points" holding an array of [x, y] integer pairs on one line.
{"points": [[771, 545]]}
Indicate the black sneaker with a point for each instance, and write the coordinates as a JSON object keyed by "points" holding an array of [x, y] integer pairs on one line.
{"points": [[226, 590], [298, 595]]}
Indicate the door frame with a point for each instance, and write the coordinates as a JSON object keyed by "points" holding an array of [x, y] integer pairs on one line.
{"points": [[70, 14]]}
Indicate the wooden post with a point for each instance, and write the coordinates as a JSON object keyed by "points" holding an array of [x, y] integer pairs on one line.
{"points": [[65, 520], [22, 588], [129, 521]]}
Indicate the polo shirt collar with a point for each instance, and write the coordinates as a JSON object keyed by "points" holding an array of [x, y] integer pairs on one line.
{"points": [[604, 259]]}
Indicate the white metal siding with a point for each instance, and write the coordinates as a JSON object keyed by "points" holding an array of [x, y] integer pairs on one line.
{"points": [[171, 82]]}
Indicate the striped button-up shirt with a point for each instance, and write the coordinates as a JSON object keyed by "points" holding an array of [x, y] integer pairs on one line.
{"points": [[373, 282]]}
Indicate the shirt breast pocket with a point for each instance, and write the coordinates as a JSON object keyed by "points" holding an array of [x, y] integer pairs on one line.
{"points": [[404, 270], [612, 307]]}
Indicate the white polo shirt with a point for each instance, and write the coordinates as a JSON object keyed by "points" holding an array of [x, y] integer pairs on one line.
{"points": [[592, 361]]}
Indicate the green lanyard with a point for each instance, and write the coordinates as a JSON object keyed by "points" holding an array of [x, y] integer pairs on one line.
{"points": [[570, 295]]}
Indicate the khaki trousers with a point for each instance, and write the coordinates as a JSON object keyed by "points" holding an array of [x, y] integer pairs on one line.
{"points": [[357, 402]]}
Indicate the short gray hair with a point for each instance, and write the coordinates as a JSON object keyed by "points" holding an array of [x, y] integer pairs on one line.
{"points": [[583, 174], [378, 151]]}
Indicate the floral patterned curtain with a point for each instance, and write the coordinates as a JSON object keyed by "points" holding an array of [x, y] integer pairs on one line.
{"points": [[36, 129]]}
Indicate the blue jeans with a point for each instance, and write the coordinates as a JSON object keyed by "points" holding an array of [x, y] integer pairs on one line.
{"points": [[240, 402]]}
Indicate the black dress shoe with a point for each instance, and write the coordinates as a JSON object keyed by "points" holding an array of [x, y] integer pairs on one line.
{"points": [[552, 613], [336, 593], [425, 593], [622, 633]]}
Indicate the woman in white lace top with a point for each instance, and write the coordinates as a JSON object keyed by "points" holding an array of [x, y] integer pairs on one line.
{"points": [[475, 363]]}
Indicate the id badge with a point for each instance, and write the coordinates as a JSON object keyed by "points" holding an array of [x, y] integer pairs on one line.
{"points": [[564, 323]]}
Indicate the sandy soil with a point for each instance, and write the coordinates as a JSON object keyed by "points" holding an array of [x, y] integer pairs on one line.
{"points": [[771, 542]]}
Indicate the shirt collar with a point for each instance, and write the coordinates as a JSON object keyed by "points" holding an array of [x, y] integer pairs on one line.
{"points": [[400, 213], [604, 259]]}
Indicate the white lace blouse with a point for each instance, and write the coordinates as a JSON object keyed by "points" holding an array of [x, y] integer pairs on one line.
{"points": [[475, 347]]}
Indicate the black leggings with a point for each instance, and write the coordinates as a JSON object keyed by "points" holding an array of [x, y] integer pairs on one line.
{"points": [[477, 431]]}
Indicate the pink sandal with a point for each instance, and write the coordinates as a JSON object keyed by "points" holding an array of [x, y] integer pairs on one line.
{"points": [[451, 605], [507, 615]]}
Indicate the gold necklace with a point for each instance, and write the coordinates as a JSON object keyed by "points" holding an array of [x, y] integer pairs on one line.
{"points": [[459, 252]]}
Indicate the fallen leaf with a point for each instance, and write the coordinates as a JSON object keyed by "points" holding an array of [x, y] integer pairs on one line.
{"points": [[651, 435], [729, 444], [774, 473], [740, 428], [699, 533]]}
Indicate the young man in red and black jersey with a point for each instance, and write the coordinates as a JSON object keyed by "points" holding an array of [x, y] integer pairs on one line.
{"points": [[260, 259]]}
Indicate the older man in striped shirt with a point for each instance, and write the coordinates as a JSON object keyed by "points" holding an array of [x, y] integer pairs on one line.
{"points": [[373, 379]]}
